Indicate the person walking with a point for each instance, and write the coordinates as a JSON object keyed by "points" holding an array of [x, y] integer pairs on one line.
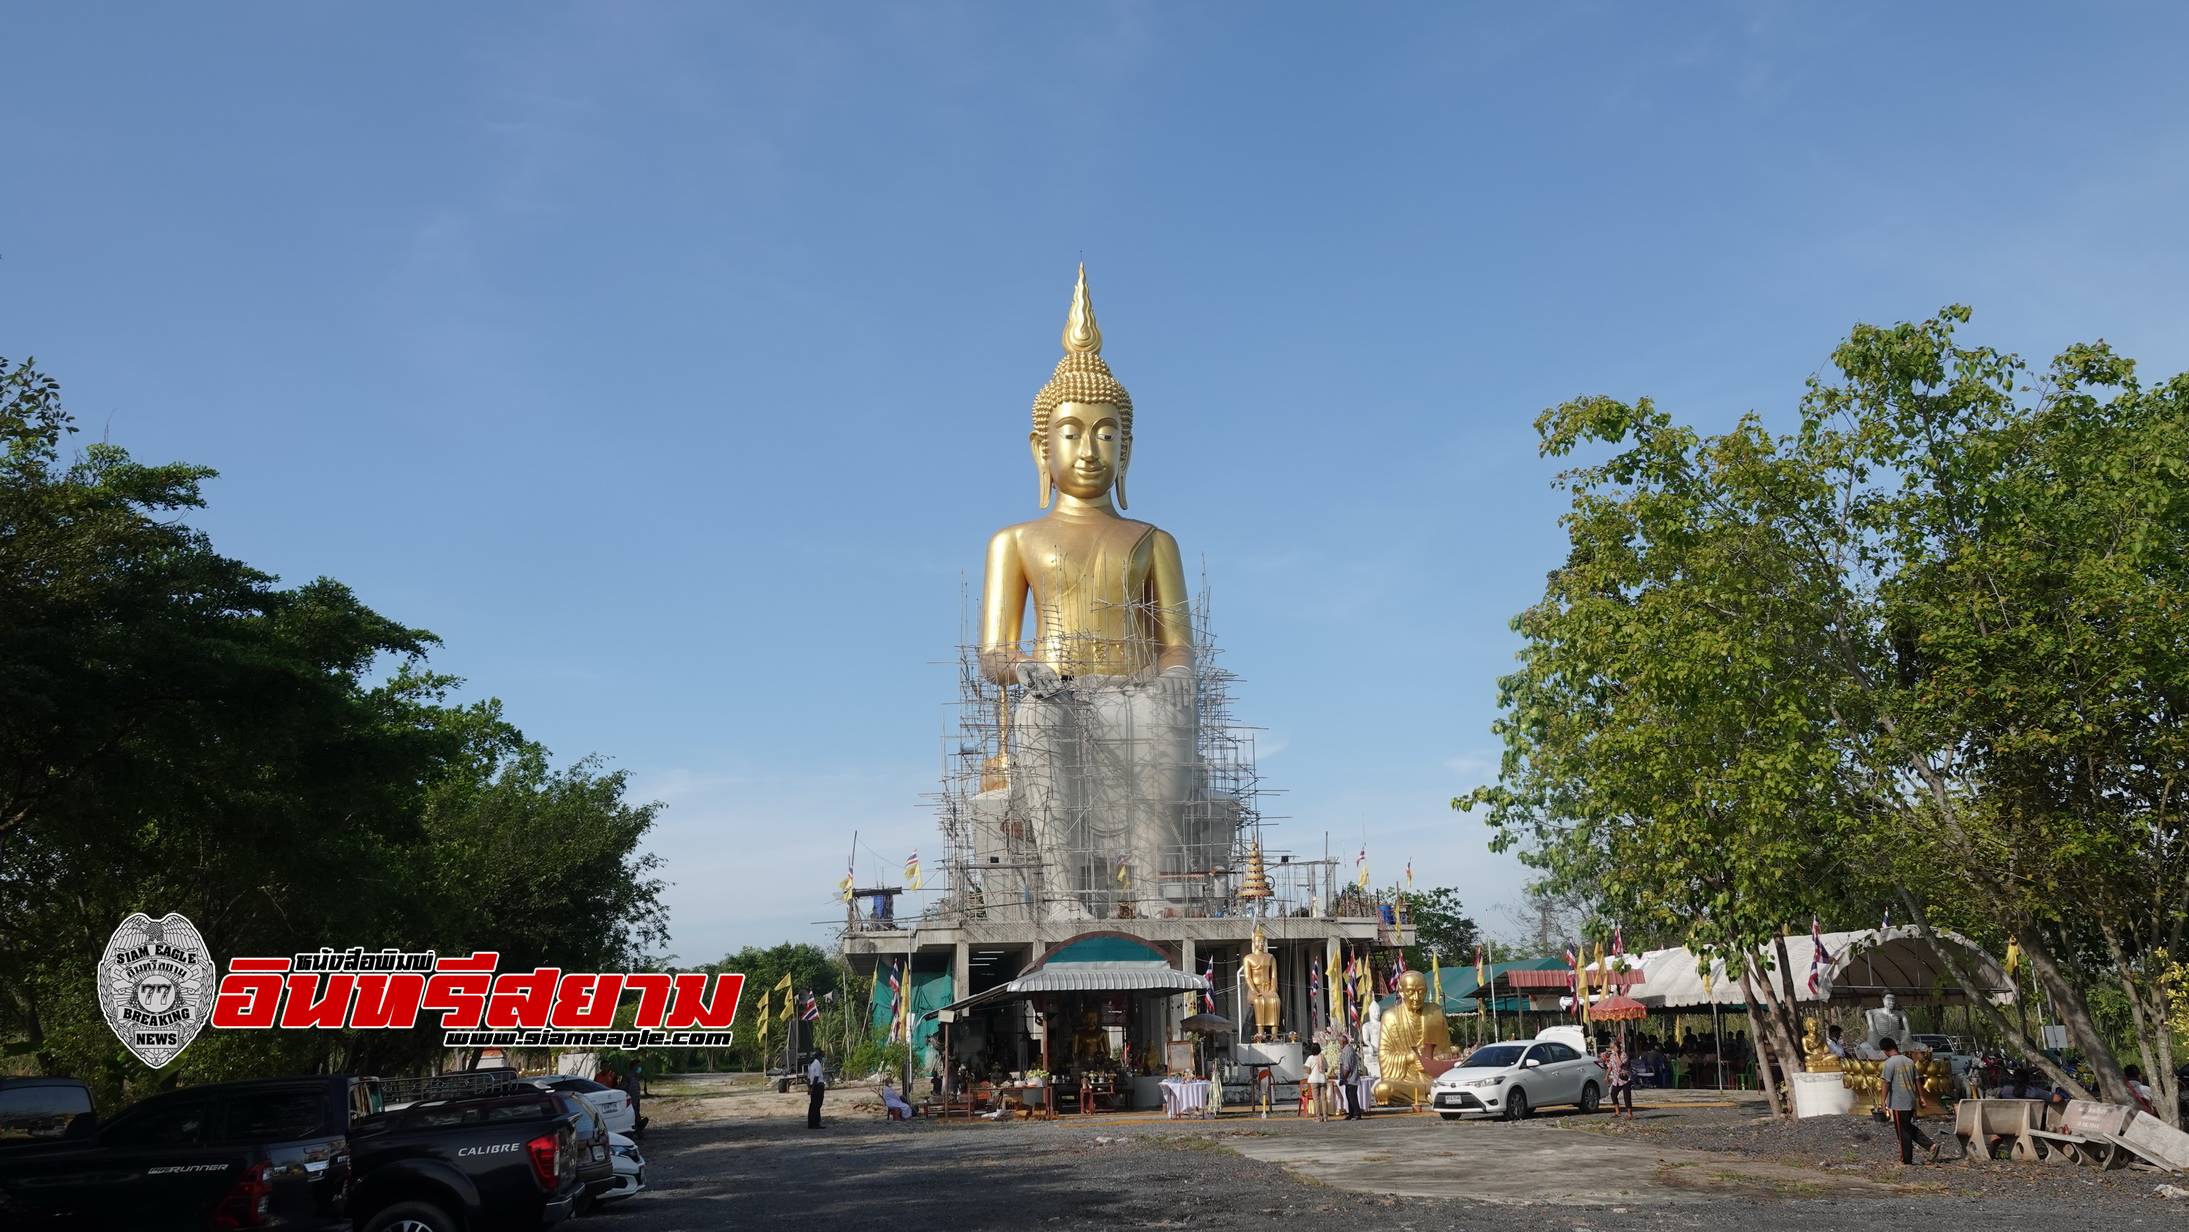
{"points": [[1349, 1070], [1902, 1089], [1318, 1073], [1619, 1069], [816, 1086]]}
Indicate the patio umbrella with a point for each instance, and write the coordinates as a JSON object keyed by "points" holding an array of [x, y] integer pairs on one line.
{"points": [[1208, 1024], [1618, 1007]]}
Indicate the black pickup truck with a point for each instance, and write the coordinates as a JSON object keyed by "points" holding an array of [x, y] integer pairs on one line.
{"points": [[298, 1153]]}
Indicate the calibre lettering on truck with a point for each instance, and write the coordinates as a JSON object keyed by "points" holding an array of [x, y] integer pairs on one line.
{"points": [[487, 1150]]}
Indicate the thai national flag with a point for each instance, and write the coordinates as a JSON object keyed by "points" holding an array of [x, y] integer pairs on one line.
{"points": [[1208, 987], [812, 1011]]}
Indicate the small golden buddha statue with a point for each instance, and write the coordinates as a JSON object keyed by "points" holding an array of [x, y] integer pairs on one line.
{"points": [[1260, 970], [1099, 755], [1090, 1044], [1413, 1030]]}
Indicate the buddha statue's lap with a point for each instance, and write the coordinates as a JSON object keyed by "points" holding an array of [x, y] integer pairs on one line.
{"points": [[1409, 1029], [1101, 746]]}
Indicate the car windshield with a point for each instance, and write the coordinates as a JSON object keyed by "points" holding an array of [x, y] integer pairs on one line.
{"points": [[1495, 1056], [585, 1086]]}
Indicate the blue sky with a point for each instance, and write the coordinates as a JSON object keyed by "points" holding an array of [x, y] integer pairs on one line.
{"points": [[672, 362]]}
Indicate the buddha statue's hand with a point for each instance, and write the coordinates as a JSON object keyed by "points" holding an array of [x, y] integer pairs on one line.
{"points": [[1040, 679], [1175, 684]]}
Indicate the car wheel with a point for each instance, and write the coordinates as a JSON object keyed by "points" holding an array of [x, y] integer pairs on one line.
{"points": [[1516, 1105], [1449, 1116], [412, 1217], [1590, 1097]]}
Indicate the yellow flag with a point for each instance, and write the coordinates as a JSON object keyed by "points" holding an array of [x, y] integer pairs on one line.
{"points": [[843, 888], [912, 871], [767, 1000], [1124, 873], [2014, 956], [1436, 980]]}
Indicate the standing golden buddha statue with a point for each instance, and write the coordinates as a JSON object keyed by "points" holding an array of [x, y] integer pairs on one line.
{"points": [[1100, 752]]}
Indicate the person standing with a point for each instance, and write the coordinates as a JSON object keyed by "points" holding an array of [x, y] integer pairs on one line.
{"points": [[1349, 1070], [634, 1084], [1620, 1071], [1317, 1074], [816, 1085], [1903, 1088]]}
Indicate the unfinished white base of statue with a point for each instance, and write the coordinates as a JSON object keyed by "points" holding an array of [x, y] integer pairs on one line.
{"points": [[1103, 774]]}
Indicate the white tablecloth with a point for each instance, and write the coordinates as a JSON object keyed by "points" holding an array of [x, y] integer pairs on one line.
{"points": [[1185, 1097]]}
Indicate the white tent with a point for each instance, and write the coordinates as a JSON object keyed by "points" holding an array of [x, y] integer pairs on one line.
{"points": [[1864, 966]]}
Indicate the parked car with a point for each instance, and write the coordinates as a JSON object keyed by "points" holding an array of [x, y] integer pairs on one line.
{"points": [[596, 1167], [1514, 1078], [613, 1106], [230, 1154], [630, 1169], [36, 1110], [489, 1163]]}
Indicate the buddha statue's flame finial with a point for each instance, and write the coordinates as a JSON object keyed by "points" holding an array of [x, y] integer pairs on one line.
{"points": [[1081, 334]]}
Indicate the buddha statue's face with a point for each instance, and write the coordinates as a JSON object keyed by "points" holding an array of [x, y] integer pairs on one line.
{"points": [[1414, 990], [1261, 944], [1890, 1003], [1083, 449]]}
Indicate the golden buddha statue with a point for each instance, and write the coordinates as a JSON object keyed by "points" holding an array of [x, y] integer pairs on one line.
{"points": [[1413, 1030], [1090, 1044], [1099, 757], [1260, 971]]}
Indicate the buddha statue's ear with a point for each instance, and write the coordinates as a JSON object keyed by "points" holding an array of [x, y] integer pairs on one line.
{"points": [[1124, 463], [1041, 464]]}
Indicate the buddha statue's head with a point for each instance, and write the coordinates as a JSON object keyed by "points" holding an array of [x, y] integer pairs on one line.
{"points": [[1083, 419], [1261, 941], [1414, 990]]}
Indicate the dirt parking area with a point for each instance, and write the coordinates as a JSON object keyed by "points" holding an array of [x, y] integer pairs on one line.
{"points": [[732, 1154]]}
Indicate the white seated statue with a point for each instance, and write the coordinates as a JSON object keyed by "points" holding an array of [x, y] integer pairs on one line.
{"points": [[1885, 1022]]}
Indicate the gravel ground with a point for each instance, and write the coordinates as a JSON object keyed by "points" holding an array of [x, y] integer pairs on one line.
{"points": [[1859, 1147], [751, 1163]]}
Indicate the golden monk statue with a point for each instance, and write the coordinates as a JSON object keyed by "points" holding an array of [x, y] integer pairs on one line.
{"points": [[1412, 1030], [1260, 969], [1100, 754]]}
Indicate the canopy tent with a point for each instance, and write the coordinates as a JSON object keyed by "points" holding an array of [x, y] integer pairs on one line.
{"points": [[1864, 966]]}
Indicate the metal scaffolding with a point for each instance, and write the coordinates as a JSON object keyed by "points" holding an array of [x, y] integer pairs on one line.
{"points": [[1113, 797]]}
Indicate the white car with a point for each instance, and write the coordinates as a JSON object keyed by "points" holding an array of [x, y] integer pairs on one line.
{"points": [[1515, 1078], [630, 1169], [613, 1106]]}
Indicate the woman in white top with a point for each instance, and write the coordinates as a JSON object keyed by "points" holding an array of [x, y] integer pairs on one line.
{"points": [[1317, 1084]]}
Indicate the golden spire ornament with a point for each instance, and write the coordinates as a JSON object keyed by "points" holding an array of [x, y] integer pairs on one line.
{"points": [[1255, 885]]}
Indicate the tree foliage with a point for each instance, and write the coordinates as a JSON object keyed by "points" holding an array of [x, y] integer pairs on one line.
{"points": [[1925, 650], [178, 732]]}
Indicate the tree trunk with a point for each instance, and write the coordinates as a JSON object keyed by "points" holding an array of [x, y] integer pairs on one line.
{"points": [[1791, 1026], [2075, 1014], [2151, 1026], [1782, 1045], [1755, 1033], [1955, 961]]}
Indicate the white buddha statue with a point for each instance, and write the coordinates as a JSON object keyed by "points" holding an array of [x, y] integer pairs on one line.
{"points": [[1885, 1022]]}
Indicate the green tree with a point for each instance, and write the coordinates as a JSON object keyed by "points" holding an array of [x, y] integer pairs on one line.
{"points": [[1439, 924], [180, 733], [1920, 650]]}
